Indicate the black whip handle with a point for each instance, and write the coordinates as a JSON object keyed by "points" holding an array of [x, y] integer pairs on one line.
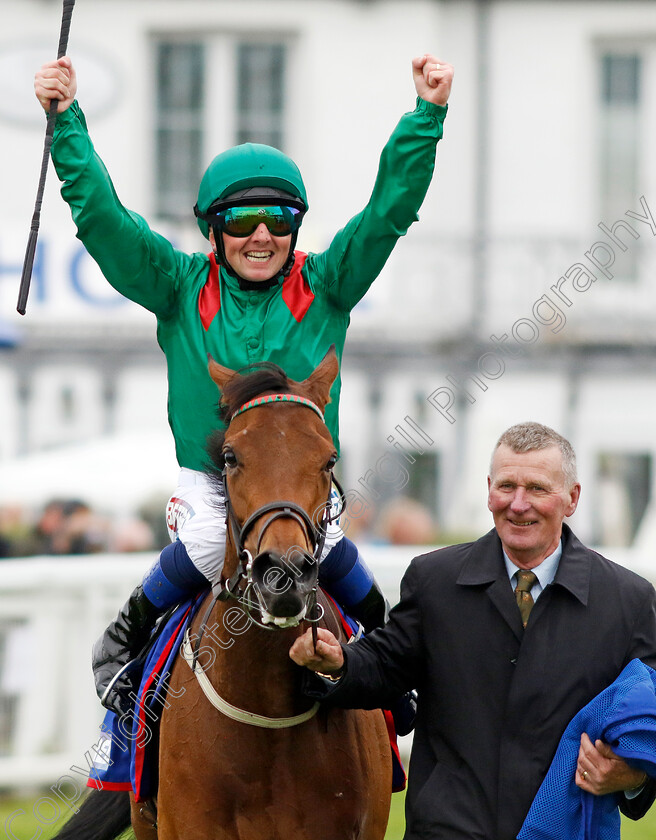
{"points": [[28, 262]]}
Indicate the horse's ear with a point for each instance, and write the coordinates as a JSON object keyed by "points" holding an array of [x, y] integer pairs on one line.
{"points": [[321, 380], [221, 375]]}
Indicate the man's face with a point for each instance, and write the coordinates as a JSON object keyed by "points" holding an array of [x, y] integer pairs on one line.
{"points": [[258, 257], [529, 498]]}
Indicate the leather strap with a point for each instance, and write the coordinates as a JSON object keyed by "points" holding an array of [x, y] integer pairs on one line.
{"points": [[232, 711]]}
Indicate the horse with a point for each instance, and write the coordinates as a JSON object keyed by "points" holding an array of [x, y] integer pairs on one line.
{"points": [[243, 753]]}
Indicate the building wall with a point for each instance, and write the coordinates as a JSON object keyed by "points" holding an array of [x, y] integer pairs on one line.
{"points": [[498, 281]]}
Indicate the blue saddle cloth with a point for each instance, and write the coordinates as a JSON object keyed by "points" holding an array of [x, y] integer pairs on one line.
{"points": [[127, 750], [624, 717], [127, 759]]}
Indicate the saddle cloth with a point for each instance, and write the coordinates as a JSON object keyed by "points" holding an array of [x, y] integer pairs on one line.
{"points": [[126, 755]]}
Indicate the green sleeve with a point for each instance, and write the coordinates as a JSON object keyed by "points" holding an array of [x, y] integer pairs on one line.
{"points": [[359, 251], [137, 262]]}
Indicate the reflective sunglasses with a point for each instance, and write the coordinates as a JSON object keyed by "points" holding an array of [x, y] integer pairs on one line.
{"points": [[243, 221]]}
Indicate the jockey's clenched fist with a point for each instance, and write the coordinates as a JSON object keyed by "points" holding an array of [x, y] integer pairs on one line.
{"points": [[56, 80], [433, 78]]}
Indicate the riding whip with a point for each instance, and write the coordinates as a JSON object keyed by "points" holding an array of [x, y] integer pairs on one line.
{"points": [[26, 276]]}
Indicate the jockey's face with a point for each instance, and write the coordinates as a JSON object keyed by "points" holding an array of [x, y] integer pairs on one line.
{"points": [[257, 258]]}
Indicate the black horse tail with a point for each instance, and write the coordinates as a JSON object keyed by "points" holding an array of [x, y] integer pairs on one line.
{"points": [[102, 815]]}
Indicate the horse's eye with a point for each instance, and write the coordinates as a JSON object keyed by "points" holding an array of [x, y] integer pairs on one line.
{"points": [[331, 461], [229, 458]]}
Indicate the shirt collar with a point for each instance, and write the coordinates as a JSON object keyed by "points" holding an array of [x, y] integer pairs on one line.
{"points": [[545, 572], [484, 563]]}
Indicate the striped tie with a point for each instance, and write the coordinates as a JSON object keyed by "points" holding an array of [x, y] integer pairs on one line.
{"points": [[525, 581]]}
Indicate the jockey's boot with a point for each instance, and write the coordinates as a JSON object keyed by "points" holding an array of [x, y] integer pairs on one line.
{"points": [[348, 579], [115, 660]]}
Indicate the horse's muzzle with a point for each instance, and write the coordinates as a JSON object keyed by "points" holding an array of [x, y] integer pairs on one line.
{"points": [[284, 581]]}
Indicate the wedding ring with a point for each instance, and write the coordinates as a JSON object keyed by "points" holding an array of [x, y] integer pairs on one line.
{"points": [[584, 775]]}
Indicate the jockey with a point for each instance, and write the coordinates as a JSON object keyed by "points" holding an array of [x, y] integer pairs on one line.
{"points": [[254, 298]]}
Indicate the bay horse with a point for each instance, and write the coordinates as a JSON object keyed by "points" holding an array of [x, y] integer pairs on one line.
{"points": [[243, 754], [281, 769]]}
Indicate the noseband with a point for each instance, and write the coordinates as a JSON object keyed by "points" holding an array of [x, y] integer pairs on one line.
{"points": [[316, 535]]}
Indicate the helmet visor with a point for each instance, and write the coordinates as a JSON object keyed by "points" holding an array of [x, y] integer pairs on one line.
{"points": [[243, 221]]}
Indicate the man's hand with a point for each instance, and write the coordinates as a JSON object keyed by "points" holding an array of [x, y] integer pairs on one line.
{"points": [[599, 770], [56, 80], [328, 657], [432, 78]]}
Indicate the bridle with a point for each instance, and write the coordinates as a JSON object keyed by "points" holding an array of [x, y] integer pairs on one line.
{"points": [[241, 585]]}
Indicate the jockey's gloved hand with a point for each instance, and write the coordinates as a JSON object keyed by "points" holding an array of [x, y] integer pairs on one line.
{"points": [[404, 713]]}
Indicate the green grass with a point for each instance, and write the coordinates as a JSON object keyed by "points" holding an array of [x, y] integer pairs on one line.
{"points": [[396, 824], [26, 824], [644, 829]]}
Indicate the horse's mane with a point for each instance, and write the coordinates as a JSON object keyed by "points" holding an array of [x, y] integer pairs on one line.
{"points": [[250, 382]]}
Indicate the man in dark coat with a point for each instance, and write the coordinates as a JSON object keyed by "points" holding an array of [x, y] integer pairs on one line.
{"points": [[496, 695]]}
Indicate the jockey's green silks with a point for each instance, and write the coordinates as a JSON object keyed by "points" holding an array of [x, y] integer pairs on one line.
{"points": [[201, 309]]}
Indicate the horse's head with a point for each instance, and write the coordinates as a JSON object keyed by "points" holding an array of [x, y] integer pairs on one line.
{"points": [[276, 457]]}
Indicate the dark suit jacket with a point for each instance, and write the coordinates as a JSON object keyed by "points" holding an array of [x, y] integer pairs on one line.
{"points": [[494, 699]]}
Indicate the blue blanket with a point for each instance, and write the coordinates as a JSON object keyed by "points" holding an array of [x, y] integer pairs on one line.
{"points": [[624, 717]]}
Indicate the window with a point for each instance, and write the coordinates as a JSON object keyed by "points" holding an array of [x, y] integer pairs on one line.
{"points": [[212, 93], [423, 482], [619, 137], [179, 126], [260, 88], [622, 487]]}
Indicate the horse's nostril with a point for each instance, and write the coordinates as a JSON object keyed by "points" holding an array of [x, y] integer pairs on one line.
{"points": [[276, 575]]}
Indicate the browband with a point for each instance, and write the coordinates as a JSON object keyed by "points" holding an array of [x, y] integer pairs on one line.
{"points": [[274, 398]]}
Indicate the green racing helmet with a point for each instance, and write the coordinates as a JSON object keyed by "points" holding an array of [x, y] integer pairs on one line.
{"points": [[244, 167]]}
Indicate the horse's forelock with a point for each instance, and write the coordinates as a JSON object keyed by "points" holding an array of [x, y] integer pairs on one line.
{"points": [[250, 383]]}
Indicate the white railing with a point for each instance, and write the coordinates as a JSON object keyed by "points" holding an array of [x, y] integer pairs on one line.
{"points": [[51, 612], [52, 609]]}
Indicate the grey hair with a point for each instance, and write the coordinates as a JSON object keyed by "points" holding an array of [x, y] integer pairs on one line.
{"points": [[530, 436]]}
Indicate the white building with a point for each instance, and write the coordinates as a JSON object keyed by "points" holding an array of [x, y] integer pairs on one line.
{"points": [[508, 301], [507, 278]]}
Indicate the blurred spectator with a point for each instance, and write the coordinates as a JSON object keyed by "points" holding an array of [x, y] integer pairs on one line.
{"points": [[405, 521], [69, 526], [15, 531], [131, 534], [150, 511], [49, 524]]}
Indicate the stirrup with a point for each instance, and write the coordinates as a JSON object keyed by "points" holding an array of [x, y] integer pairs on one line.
{"points": [[124, 669]]}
